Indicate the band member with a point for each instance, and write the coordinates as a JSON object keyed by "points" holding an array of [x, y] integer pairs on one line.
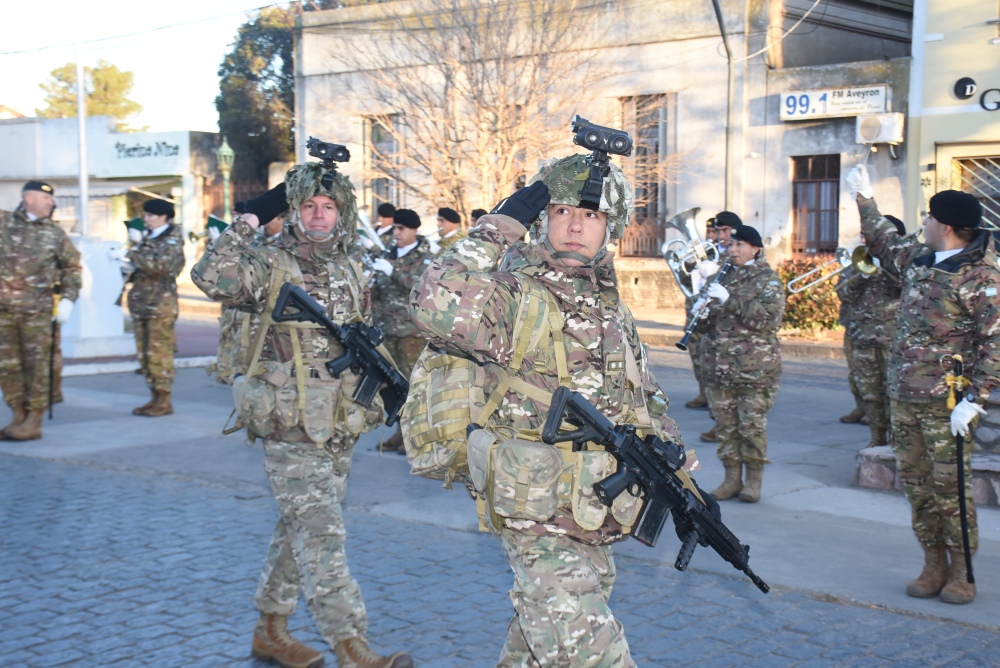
{"points": [[949, 307], [741, 361], [700, 402]]}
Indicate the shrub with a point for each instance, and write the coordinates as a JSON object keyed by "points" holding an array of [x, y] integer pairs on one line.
{"points": [[814, 309]]}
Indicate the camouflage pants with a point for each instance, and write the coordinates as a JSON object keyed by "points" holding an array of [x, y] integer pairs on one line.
{"points": [[25, 346], [156, 342], [57, 366], [693, 343], [926, 457], [307, 554], [852, 373], [870, 375], [405, 350], [741, 422], [560, 596]]}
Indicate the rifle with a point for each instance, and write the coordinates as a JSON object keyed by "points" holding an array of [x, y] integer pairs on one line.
{"points": [[360, 342], [703, 297], [652, 468]]}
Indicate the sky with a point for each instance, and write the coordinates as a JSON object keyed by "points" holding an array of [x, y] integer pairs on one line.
{"points": [[173, 49]]}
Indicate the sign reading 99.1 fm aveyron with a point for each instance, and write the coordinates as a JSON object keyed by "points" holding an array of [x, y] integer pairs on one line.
{"points": [[833, 102]]}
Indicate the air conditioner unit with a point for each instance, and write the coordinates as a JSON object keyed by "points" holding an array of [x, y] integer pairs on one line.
{"points": [[880, 128]]}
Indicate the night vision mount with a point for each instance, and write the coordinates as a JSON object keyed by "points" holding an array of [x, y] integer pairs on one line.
{"points": [[330, 154], [601, 141]]}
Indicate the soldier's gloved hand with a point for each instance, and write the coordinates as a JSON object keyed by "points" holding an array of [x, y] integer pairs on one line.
{"points": [[707, 268], [962, 415], [859, 182], [525, 204], [214, 233], [365, 242], [719, 292], [698, 305], [134, 235], [267, 206], [118, 254], [64, 311], [382, 265]]}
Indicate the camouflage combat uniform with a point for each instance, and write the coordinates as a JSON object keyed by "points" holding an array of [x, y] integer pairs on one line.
{"points": [[152, 301], [389, 304], [847, 302], [444, 243], [35, 257], [945, 309], [468, 301], [741, 360], [310, 425]]}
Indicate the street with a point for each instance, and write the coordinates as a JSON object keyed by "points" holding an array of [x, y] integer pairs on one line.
{"points": [[128, 541]]}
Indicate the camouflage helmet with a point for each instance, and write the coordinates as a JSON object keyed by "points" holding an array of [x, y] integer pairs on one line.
{"points": [[306, 180], [566, 177]]}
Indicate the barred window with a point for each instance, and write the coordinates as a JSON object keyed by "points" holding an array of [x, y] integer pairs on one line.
{"points": [[815, 196]]}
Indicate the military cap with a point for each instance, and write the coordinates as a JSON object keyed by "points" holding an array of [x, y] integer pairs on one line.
{"points": [[406, 218], [729, 219], [900, 228], [478, 213], [158, 207], [710, 224], [449, 214], [957, 209], [747, 234], [386, 210], [40, 186]]}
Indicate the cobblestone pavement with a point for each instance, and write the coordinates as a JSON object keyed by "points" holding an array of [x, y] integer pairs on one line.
{"points": [[112, 566]]}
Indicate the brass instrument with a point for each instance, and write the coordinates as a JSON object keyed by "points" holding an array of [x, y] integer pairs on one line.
{"points": [[859, 258], [365, 228], [683, 255], [195, 237]]}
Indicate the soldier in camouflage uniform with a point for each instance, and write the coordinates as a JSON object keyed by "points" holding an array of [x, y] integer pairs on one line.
{"points": [[741, 361], [949, 306], [307, 419], [35, 257], [695, 281], [450, 230], [847, 304], [393, 277], [158, 258], [468, 302]]}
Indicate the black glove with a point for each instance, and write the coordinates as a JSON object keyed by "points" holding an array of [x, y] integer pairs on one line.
{"points": [[525, 204], [267, 206]]}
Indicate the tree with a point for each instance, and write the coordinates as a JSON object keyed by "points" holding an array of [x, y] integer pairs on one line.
{"points": [[107, 90]]}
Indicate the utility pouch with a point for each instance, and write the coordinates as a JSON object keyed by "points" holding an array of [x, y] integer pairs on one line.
{"points": [[320, 411], [480, 453], [255, 405], [526, 479], [286, 407], [588, 467]]}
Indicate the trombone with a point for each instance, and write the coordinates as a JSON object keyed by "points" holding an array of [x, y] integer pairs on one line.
{"points": [[859, 258]]}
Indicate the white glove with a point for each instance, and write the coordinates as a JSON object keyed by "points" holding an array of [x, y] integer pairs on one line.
{"points": [[118, 254], [383, 265], [135, 236], [858, 181], [435, 248], [719, 292], [64, 311], [962, 414], [214, 233], [697, 281], [365, 242], [706, 268]]}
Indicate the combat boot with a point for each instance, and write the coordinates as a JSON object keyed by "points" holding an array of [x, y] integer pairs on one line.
{"points": [[141, 410], [751, 487], [394, 443], [854, 416], [698, 403], [354, 653], [935, 573], [161, 405], [29, 429], [709, 436], [17, 419], [879, 437], [732, 485], [958, 590], [271, 640]]}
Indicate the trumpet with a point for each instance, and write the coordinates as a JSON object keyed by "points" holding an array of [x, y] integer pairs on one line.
{"points": [[860, 258], [195, 237]]}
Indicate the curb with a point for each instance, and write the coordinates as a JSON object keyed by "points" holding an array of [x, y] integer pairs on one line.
{"points": [[659, 339], [96, 368]]}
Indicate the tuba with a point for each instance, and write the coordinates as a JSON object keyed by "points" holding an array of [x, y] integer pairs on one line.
{"points": [[683, 255]]}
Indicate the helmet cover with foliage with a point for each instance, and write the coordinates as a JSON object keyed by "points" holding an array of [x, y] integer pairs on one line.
{"points": [[566, 177], [305, 181]]}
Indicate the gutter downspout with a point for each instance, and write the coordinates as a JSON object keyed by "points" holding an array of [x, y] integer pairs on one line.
{"points": [[914, 199], [730, 86]]}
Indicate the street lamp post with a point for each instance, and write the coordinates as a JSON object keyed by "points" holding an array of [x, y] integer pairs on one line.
{"points": [[226, 156]]}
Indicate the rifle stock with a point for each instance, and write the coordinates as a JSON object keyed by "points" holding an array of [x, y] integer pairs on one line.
{"points": [[648, 466], [360, 343]]}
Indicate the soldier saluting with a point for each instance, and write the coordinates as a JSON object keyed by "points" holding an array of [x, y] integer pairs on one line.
{"points": [[949, 307], [35, 256]]}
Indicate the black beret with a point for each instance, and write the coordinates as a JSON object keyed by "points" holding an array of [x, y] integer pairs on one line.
{"points": [[386, 210], [747, 234], [158, 207], [40, 186], [900, 228], [957, 209], [406, 218], [710, 224], [728, 219], [240, 207], [478, 213], [449, 214]]}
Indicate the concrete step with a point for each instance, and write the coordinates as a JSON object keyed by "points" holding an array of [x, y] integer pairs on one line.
{"points": [[876, 469]]}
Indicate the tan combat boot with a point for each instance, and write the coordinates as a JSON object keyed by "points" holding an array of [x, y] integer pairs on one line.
{"points": [[354, 653], [709, 436], [732, 485], [698, 403], [394, 443], [751, 487], [879, 437], [854, 416], [271, 640], [141, 410], [934, 575], [161, 405], [958, 590], [17, 419], [29, 429]]}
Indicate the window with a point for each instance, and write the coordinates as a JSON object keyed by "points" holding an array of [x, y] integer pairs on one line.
{"points": [[646, 118], [815, 195], [380, 159], [981, 178]]}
